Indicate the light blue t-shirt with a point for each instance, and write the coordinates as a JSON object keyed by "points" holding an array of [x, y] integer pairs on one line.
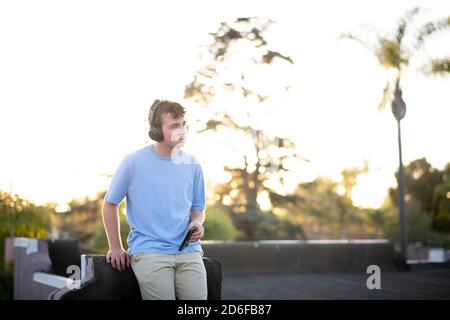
{"points": [[160, 192]]}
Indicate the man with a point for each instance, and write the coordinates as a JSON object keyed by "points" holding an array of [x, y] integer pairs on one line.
{"points": [[165, 197]]}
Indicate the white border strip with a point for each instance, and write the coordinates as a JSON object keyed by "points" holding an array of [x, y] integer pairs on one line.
{"points": [[51, 280], [30, 244], [83, 266]]}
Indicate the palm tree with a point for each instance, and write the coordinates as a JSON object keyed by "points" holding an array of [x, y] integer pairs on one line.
{"points": [[394, 54]]}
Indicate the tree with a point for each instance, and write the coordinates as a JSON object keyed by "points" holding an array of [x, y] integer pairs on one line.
{"points": [[325, 212], [99, 238], [429, 187], [83, 218], [419, 224], [350, 176], [22, 218], [219, 225], [440, 204], [238, 88]]}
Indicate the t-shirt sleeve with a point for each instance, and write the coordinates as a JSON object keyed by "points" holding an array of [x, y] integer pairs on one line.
{"points": [[198, 201], [118, 188]]}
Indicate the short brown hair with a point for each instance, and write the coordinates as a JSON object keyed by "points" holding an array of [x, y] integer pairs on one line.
{"points": [[164, 106]]}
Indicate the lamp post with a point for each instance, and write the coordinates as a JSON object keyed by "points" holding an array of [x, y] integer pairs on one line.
{"points": [[399, 110]]}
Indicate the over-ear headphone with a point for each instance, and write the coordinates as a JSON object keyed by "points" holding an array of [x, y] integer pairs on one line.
{"points": [[155, 132]]}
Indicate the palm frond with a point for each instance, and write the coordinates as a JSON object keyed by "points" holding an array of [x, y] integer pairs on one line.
{"points": [[386, 97], [268, 57], [403, 23], [353, 37], [438, 67], [430, 28]]}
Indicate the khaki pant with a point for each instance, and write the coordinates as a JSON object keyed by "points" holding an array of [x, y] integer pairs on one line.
{"points": [[170, 276]]}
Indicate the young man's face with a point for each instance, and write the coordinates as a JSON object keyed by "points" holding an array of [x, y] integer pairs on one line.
{"points": [[174, 130]]}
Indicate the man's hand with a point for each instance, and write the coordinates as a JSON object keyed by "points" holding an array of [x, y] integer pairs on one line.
{"points": [[197, 235], [118, 258]]}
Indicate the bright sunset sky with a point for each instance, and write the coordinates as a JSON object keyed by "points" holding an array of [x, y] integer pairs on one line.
{"points": [[77, 79]]}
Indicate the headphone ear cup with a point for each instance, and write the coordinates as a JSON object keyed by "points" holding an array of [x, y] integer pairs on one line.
{"points": [[159, 135], [156, 134]]}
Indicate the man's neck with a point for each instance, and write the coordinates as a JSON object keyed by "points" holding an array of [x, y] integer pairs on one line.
{"points": [[162, 149]]}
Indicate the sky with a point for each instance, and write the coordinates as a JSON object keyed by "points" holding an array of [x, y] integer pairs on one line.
{"points": [[77, 79]]}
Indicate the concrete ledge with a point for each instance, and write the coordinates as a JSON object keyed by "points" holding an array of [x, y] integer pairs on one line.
{"points": [[249, 257]]}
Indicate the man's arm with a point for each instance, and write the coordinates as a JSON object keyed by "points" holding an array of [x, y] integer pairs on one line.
{"points": [[196, 218], [117, 256]]}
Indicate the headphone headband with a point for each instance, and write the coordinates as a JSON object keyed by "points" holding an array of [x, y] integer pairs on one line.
{"points": [[151, 117], [155, 132]]}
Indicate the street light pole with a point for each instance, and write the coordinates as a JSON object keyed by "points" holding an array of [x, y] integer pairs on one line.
{"points": [[399, 111]]}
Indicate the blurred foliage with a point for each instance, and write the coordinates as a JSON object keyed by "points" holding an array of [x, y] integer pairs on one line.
{"points": [[418, 224], [326, 213], [265, 225], [438, 66], [430, 188], [82, 219], [83, 222], [22, 218], [6, 280], [314, 210], [218, 224], [99, 239]]}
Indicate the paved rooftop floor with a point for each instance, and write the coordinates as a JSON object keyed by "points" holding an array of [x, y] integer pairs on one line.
{"points": [[426, 281]]}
